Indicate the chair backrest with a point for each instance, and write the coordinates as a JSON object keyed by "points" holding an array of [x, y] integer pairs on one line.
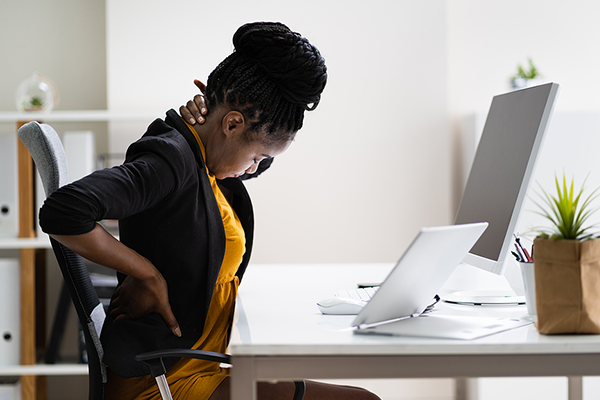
{"points": [[47, 152]]}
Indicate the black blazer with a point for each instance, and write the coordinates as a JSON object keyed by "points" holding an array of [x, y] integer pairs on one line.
{"points": [[167, 212]]}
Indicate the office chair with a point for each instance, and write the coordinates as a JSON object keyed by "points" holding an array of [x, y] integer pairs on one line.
{"points": [[47, 152]]}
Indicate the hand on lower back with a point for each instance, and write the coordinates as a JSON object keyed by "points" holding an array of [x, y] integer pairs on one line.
{"points": [[135, 298]]}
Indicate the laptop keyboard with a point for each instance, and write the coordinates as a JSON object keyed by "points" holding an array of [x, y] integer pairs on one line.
{"points": [[364, 294]]}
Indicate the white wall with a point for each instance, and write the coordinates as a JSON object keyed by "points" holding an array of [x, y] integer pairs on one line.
{"points": [[62, 39], [488, 39], [371, 165]]}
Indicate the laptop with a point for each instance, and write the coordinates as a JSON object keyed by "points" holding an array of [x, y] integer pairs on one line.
{"points": [[398, 306]]}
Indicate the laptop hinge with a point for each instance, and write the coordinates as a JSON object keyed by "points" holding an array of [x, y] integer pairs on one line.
{"points": [[374, 324]]}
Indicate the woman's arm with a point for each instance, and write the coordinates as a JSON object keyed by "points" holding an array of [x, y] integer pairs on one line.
{"points": [[142, 292], [70, 213]]}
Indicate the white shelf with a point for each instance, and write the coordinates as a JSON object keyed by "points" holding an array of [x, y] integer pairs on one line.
{"points": [[44, 369], [82, 115], [42, 242]]}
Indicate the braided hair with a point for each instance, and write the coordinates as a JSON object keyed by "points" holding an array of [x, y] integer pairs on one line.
{"points": [[272, 76]]}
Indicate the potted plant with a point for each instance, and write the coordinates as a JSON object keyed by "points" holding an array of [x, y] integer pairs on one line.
{"points": [[36, 93], [525, 77], [36, 103], [566, 260]]}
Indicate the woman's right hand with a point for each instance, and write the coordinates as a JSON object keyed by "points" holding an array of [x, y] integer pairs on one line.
{"points": [[195, 110], [137, 297]]}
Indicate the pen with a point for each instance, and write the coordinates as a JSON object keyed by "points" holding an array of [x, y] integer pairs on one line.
{"points": [[529, 259], [524, 251], [516, 256], [522, 257]]}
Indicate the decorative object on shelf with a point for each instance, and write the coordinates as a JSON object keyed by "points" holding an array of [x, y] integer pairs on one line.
{"points": [[37, 93], [525, 78], [567, 263]]}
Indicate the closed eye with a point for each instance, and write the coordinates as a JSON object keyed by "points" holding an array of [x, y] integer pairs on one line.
{"points": [[265, 157]]}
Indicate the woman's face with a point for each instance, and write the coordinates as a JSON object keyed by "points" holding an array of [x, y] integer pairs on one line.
{"points": [[237, 154]]}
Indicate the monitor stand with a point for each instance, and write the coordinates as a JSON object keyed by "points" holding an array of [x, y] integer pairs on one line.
{"points": [[499, 298], [489, 289]]}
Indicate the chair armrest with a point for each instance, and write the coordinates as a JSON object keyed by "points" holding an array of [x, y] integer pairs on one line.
{"points": [[154, 358], [185, 353]]}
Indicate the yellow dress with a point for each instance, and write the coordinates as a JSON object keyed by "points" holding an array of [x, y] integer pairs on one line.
{"points": [[189, 378]]}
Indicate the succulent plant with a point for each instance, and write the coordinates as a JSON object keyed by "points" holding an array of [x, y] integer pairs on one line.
{"points": [[567, 212]]}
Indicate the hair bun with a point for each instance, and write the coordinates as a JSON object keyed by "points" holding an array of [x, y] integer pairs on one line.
{"points": [[296, 66]]}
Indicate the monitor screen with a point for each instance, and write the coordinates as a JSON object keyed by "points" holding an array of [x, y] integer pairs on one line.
{"points": [[502, 168]]}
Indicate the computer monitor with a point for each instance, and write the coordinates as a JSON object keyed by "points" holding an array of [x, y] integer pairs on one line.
{"points": [[502, 168]]}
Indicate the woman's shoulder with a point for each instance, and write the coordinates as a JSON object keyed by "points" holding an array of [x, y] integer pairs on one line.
{"points": [[164, 141], [161, 134]]}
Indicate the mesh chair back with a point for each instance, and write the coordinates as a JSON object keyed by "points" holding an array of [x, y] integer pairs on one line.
{"points": [[47, 152]]}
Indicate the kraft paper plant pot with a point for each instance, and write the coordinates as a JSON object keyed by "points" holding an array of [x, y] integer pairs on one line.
{"points": [[567, 285]]}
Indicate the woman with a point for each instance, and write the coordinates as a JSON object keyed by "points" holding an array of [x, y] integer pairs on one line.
{"points": [[185, 218]]}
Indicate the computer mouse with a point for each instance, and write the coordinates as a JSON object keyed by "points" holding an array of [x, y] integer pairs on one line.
{"points": [[341, 306]]}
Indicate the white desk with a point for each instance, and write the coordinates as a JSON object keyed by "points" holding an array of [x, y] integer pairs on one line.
{"points": [[280, 335]]}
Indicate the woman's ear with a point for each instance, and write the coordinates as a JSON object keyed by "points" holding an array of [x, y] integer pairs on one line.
{"points": [[233, 123]]}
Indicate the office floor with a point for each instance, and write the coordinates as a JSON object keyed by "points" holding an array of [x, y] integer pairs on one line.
{"points": [[553, 388], [533, 388], [406, 389]]}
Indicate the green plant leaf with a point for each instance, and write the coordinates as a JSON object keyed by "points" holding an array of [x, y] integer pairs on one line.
{"points": [[567, 212]]}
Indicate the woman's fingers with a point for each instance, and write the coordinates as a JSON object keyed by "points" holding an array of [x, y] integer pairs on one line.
{"points": [[135, 298], [200, 85], [194, 110], [167, 314]]}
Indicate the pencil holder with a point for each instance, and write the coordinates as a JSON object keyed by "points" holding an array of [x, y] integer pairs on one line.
{"points": [[528, 274]]}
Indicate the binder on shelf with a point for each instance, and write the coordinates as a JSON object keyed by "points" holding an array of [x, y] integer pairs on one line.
{"points": [[10, 317], [9, 200]]}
